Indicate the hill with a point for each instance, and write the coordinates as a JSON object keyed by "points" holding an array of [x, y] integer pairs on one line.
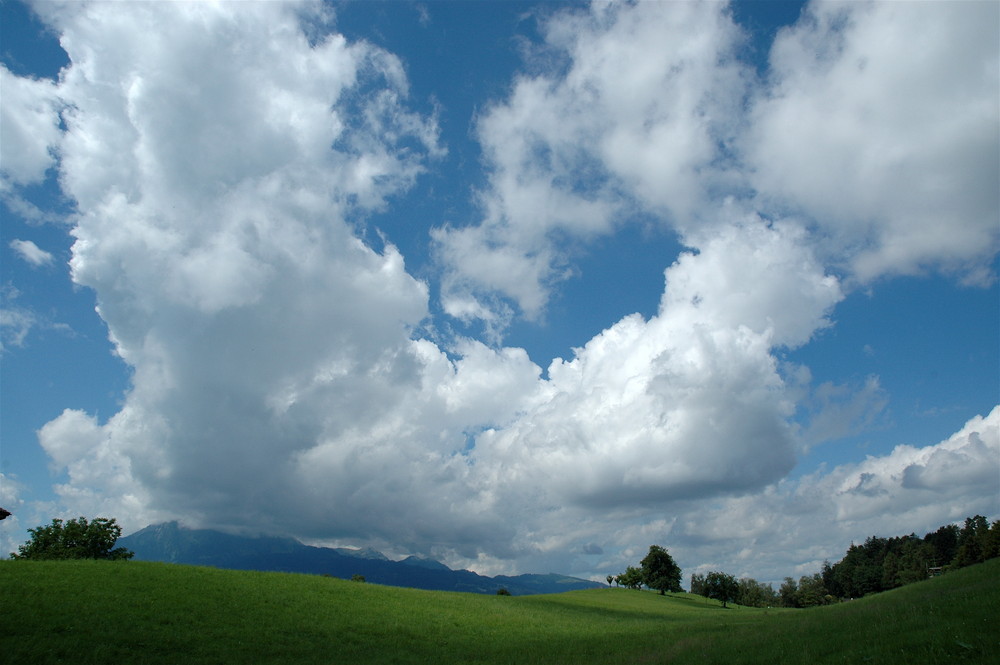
{"points": [[172, 543], [130, 612]]}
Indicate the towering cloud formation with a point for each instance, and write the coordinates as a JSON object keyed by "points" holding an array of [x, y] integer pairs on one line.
{"points": [[216, 157]]}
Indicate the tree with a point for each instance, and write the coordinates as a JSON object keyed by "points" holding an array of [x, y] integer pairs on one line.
{"points": [[631, 578], [698, 584], [944, 544], [789, 593], [76, 539], [610, 579], [721, 586], [755, 594], [660, 572], [975, 543], [811, 591]]}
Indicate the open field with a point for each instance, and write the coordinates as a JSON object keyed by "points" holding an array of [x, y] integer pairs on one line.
{"points": [[138, 612]]}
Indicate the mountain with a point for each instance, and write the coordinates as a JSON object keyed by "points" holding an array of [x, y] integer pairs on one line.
{"points": [[173, 543], [424, 562], [364, 553]]}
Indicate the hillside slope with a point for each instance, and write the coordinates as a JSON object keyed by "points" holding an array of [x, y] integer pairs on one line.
{"points": [[132, 612]]}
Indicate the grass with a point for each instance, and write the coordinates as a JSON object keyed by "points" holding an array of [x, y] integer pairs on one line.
{"points": [[140, 612]]}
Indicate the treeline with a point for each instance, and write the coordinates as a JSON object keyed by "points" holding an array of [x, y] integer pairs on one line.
{"points": [[725, 588], [881, 564], [878, 565]]}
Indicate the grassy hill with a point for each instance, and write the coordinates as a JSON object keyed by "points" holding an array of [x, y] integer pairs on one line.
{"points": [[140, 612]]}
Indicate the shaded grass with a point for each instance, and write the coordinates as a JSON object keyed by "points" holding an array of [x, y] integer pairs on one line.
{"points": [[141, 612]]}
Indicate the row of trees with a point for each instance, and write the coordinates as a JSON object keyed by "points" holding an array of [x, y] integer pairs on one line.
{"points": [[727, 589], [878, 565], [809, 591]]}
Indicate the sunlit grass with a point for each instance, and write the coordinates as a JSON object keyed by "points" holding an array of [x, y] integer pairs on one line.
{"points": [[140, 612]]}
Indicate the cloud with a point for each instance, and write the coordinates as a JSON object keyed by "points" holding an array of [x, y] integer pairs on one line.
{"points": [[15, 321], [98, 465], [875, 126], [216, 160], [30, 119], [903, 480], [10, 498], [634, 113], [837, 411], [31, 253], [879, 123], [619, 422], [791, 527], [659, 415]]}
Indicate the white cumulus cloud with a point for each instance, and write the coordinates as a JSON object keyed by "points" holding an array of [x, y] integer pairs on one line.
{"points": [[881, 123], [31, 252], [635, 112], [30, 119]]}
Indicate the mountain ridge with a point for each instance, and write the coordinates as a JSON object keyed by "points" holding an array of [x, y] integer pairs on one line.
{"points": [[172, 543]]}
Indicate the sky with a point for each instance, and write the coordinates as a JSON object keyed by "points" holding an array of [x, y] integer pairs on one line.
{"points": [[524, 287]]}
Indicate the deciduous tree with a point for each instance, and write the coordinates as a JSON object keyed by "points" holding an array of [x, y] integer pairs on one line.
{"points": [[75, 539], [631, 578], [755, 594], [722, 587], [660, 571], [698, 584]]}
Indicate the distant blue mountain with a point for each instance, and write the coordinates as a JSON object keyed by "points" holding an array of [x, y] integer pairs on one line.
{"points": [[173, 543]]}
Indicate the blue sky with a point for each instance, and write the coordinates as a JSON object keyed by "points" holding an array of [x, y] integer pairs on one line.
{"points": [[520, 286]]}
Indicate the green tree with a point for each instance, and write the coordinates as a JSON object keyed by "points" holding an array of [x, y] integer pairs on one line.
{"points": [[890, 571], [811, 591], [944, 544], [722, 587], [789, 593], [975, 542], [631, 578], [75, 539], [660, 571], [916, 558], [755, 594], [991, 542], [698, 584]]}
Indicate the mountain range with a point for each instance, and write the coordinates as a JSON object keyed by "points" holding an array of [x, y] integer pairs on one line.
{"points": [[172, 543]]}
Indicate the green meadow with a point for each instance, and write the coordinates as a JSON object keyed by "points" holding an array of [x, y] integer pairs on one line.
{"points": [[140, 612]]}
